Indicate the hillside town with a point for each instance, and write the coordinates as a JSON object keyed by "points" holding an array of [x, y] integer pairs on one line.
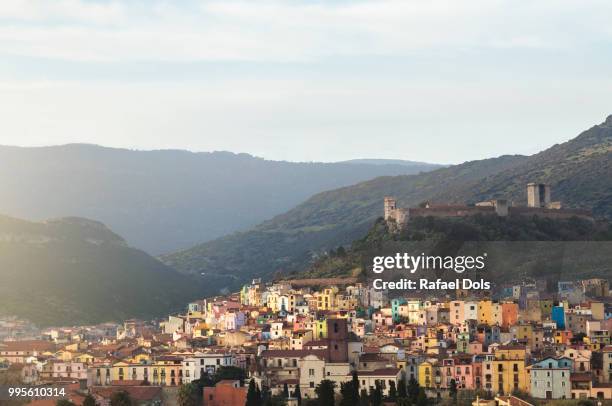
{"points": [[290, 336]]}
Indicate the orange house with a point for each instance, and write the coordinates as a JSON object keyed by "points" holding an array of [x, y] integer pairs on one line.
{"points": [[509, 314], [563, 336], [226, 393]]}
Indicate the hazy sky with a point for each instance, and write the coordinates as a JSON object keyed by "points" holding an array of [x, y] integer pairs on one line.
{"points": [[429, 80]]}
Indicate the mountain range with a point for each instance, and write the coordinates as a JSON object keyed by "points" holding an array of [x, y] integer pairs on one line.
{"points": [[73, 270], [77, 271], [579, 172], [166, 200]]}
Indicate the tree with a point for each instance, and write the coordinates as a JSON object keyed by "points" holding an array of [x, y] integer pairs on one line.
{"points": [[401, 391], [253, 398], [392, 391], [89, 401], [347, 394], [231, 373], [325, 392], [121, 398], [298, 394], [403, 402], [258, 395], [421, 398], [413, 389], [376, 396], [350, 391], [363, 398], [188, 395], [355, 387], [265, 394], [452, 390], [285, 390]]}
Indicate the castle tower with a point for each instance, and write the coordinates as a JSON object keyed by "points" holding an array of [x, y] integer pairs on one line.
{"points": [[390, 206], [538, 195]]}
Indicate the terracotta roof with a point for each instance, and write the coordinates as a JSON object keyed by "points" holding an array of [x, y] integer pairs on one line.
{"points": [[581, 376], [293, 353], [379, 372], [28, 345], [371, 357], [511, 347], [514, 401]]}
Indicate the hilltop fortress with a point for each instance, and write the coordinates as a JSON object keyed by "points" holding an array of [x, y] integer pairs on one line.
{"points": [[538, 203]]}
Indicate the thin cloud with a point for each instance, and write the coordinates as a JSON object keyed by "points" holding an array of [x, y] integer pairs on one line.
{"points": [[281, 31]]}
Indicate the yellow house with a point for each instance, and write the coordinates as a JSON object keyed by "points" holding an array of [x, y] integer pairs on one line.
{"points": [[140, 358], [75, 347], [523, 332], [65, 355], [597, 340], [598, 310], [294, 298], [202, 330], [84, 358], [489, 312], [320, 329], [429, 374], [345, 302], [162, 372], [507, 372], [326, 298], [273, 301]]}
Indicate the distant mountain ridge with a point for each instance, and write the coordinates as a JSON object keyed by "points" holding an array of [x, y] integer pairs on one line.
{"points": [[580, 172], [166, 200], [77, 271]]}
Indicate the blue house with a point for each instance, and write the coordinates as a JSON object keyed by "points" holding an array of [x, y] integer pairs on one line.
{"points": [[558, 316]]}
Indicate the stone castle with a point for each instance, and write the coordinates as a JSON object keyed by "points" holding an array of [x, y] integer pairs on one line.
{"points": [[538, 203]]}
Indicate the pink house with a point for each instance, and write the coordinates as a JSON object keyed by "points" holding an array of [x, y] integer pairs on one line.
{"points": [[460, 369]]}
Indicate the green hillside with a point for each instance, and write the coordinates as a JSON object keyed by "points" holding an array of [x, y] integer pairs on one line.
{"points": [[73, 271], [518, 246], [579, 171]]}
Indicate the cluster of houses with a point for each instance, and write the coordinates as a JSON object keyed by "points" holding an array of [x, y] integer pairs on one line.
{"points": [[287, 335]]}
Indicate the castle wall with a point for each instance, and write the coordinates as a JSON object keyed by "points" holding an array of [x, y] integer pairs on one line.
{"points": [[450, 211], [538, 204], [551, 213]]}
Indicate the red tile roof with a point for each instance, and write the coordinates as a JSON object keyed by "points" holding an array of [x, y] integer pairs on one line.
{"points": [[28, 345], [379, 372]]}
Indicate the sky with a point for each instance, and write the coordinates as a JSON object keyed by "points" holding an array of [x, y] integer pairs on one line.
{"points": [[439, 80]]}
